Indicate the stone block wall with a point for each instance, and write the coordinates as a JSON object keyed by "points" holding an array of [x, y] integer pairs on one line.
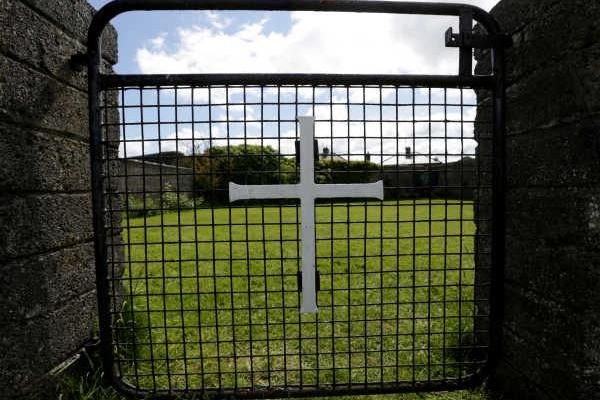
{"points": [[47, 279], [145, 177], [551, 336]]}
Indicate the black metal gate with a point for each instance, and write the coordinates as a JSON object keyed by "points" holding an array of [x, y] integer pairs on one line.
{"points": [[201, 295]]}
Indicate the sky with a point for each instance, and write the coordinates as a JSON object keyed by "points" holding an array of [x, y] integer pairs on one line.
{"points": [[280, 42], [203, 41]]}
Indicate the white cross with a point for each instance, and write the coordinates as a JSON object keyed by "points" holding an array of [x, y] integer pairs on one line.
{"points": [[307, 191]]}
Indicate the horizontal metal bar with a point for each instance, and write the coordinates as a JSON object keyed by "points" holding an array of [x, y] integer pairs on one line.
{"points": [[310, 390], [441, 81]]}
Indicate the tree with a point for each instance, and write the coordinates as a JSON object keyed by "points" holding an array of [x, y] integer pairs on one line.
{"points": [[241, 164]]}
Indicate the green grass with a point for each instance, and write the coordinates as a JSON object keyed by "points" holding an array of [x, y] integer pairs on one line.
{"points": [[213, 297]]}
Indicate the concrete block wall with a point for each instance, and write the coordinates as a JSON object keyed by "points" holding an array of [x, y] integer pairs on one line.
{"points": [[47, 279], [551, 337], [140, 177]]}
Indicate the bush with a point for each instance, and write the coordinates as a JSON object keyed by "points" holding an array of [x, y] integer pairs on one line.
{"points": [[137, 208], [169, 200], [172, 200], [241, 164]]}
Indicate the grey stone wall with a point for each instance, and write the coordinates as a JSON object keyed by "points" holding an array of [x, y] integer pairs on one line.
{"points": [[47, 279], [551, 337], [454, 180], [145, 177]]}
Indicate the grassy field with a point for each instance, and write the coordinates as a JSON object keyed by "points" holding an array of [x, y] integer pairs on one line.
{"points": [[212, 297]]}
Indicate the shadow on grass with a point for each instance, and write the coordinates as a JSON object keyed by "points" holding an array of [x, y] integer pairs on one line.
{"points": [[85, 379]]}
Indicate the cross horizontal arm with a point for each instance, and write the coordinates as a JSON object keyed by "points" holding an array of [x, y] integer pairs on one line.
{"points": [[250, 192], [353, 190]]}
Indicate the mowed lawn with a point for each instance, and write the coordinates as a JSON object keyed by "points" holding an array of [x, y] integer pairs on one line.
{"points": [[212, 297]]}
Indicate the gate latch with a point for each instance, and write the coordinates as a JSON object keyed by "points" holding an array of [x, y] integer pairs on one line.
{"points": [[466, 40]]}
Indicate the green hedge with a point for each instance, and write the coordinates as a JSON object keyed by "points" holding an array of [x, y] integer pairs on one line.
{"points": [[168, 200], [241, 164]]}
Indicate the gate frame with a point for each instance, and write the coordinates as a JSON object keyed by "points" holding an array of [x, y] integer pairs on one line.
{"points": [[495, 40]]}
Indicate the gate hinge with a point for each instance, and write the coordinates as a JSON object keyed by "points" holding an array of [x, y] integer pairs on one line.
{"points": [[466, 41]]}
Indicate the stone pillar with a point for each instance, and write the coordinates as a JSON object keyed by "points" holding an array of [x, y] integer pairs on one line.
{"points": [[551, 333], [47, 280]]}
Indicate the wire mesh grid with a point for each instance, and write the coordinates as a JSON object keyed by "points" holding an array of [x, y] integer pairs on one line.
{"points": [[206, 295]]}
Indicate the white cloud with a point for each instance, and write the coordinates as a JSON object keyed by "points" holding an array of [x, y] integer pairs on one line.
{"points": [[217, 20], [158, 42]]}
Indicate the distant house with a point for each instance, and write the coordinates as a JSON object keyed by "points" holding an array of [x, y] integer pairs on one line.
{"points": [[327, 155]]}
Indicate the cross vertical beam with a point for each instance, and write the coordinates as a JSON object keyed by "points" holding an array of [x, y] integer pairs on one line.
{"points": [[307, 203], [307, 191]]}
